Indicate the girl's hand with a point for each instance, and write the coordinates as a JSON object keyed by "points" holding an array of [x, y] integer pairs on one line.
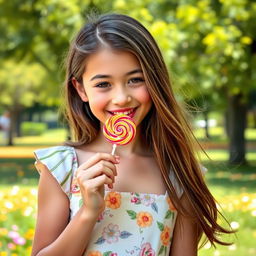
{"points": [[92, 175]]}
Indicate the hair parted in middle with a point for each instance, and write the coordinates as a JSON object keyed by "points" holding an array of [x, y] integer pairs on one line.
{"points": [[165, 128]]}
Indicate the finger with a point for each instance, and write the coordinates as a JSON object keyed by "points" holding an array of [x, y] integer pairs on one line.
{"points": [[94, 184], [94, 172], [110, 165], [98, 157]]}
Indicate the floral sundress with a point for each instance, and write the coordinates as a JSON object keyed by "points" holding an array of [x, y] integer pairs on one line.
{"points": [[136, 224]]}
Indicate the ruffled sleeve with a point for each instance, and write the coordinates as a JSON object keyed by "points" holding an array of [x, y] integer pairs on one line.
{"points": [[176, 184], [60, 161]]}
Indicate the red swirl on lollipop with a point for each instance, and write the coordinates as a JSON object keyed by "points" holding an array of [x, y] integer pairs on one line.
{"points": [[119, 130]]}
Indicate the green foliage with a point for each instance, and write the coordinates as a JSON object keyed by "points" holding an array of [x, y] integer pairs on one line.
{"points": [[207, 44], [32, 128], [20, 83]]}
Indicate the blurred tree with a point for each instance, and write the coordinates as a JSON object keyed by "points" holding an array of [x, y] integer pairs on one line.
{"points": [[220, 54], [21, 85], [210, 47], [38, 32]]}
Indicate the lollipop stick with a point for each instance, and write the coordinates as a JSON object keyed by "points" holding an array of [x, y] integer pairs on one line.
{"points": [[113, 149]]}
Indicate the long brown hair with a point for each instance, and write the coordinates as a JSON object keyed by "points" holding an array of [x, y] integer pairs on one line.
{"points": [[167, 131]]}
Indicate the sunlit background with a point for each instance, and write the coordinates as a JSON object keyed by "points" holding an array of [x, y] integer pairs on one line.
{"points": [[210, 49]]}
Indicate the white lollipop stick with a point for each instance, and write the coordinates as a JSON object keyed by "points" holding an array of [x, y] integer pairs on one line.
{"points": [[113, 149]]}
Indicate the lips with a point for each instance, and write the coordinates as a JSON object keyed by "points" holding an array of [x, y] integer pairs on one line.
{"points": [[127, 111]]}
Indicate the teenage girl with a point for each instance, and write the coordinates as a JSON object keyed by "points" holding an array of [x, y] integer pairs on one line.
{"points": [[150, 198]]}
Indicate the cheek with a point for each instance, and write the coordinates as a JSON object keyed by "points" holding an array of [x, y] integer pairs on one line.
{"points": [[97, 102], [143, 95]]}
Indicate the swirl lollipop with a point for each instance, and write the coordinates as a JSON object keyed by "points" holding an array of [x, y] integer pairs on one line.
{"points": [[119, 130]]}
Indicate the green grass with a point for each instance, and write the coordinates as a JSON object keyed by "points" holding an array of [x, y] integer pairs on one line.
{"points": [[218, 134], [230, 180], [223, 155], [51, 137], [18, 171]]}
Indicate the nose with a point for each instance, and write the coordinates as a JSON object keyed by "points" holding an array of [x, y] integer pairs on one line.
{"points": [[121, 97]]}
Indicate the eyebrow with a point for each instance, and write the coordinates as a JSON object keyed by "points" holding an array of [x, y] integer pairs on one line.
{"points": [[98, 76]]}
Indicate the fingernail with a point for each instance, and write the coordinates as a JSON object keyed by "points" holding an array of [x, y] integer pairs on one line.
{"points": [[117, 158]]}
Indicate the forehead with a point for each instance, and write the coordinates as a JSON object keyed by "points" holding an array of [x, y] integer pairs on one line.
{"points": [[110, 62]]}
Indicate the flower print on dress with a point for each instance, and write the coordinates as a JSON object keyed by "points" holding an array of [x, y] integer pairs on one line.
{"points": [[74, 160], [95, 253], [147, 250], [170, 212], [171, 206], [144, 219], [165, 237], [111, 234], [104, 214], [135, 200], [113, 200], [145, 199], [107, 253], [75, 189]]}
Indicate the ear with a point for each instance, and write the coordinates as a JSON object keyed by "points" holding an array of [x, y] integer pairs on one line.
{"points": [[80, 90]]}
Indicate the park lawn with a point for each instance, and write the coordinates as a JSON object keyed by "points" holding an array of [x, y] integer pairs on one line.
{"points": [[234, 189], [50, 137], [217, 134]]}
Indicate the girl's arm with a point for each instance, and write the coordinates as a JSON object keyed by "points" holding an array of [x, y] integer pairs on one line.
{"points": [[55, 235], [186, 234]]}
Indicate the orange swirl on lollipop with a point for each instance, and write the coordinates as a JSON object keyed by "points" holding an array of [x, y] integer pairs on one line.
{"points": [[119, 129]]}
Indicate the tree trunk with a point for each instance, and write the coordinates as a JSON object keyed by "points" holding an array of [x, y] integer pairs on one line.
{"points": [[12, 128], [206, 127], [15, 112], [18, 125], [226, 123], [237, 110], [254, 118]]}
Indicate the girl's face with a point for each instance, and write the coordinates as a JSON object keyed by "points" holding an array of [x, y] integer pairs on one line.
{"points": [[113, 83]]}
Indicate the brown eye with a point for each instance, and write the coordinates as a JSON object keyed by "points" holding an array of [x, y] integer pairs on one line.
{"points": [[103, 85], [136, 80]]}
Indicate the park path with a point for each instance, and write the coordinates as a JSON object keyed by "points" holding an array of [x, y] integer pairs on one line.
{"points": [[18, 151]]}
